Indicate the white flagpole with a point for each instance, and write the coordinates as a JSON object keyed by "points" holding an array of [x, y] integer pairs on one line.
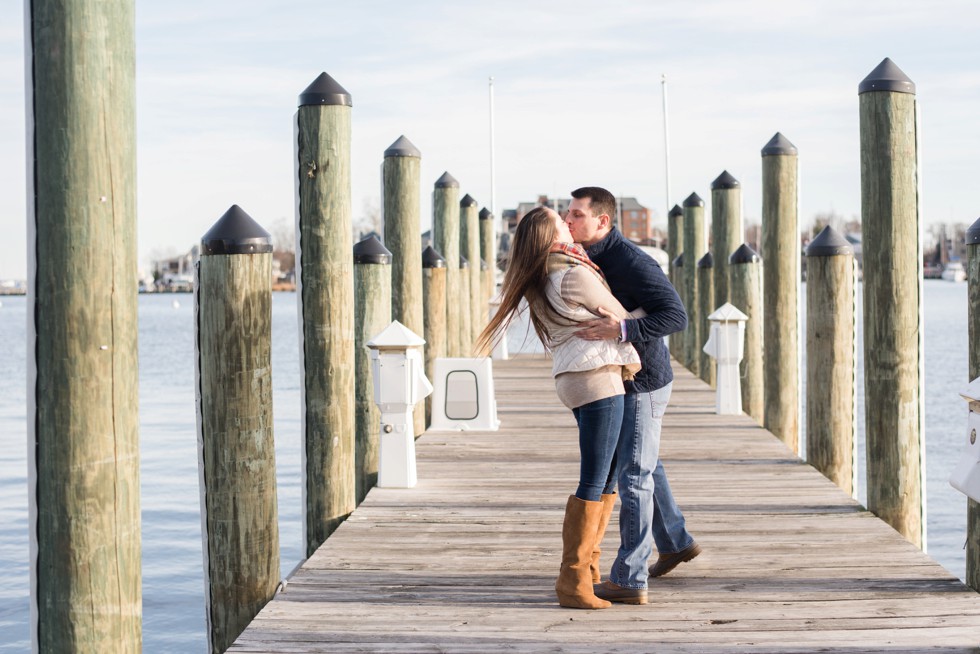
{"points": [[493, 207], [663, 84]]}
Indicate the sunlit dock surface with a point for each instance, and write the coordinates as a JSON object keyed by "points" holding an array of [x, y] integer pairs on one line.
{"points": [[466, 561]]}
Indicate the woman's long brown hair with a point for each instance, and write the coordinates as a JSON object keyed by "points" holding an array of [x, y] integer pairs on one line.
{"points": [[526, 276]]}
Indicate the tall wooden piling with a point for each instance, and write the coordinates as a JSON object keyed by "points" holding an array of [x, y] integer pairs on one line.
{"points": [[780, 290], [746, 292], [676, 340], [694, 249], [403, 232], [973, 507], [830, 379], [373, 304], [892, 299], [726, 231], [434, 300], [675, 234], [325, 279], [488, 252], [465, 338], [236, 448], [445, 233], [469, 235], [706, 308], [83, 386]]}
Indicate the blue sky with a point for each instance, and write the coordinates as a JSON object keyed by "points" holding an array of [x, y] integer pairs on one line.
{"points": [[577, 86]]}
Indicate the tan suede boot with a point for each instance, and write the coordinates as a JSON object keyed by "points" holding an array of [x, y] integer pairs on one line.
{"points": [[608, 500], [574, 584]]}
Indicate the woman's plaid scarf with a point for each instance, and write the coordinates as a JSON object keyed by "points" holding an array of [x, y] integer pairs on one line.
{"points": [[569, 255]]}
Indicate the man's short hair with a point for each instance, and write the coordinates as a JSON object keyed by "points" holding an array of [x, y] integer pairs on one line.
{"points": [[601, 201]]}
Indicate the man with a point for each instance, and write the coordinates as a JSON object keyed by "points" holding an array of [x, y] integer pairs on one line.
{"points": [[648, 508]]}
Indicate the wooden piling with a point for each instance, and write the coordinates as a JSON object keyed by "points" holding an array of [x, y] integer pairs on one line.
{"points": [[488, 252], [236, 447], [973, 507], [675, 235], [892, 299], [403, 231], [746, 293], [83, 386], [706, 287], [830, 379], [676, 340], [373, 306], [780, 290], [325, 280], [469, 244], [445, 233], [465, 313], [726, 230], [434, 300], [694, 249]]}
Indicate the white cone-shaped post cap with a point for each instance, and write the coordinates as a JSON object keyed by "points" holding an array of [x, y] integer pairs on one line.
{"points": [[972, 392], [727, 313], [395, 336]]}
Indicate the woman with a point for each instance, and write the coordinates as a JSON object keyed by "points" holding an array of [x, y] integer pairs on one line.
{"points": [[564, 288]]}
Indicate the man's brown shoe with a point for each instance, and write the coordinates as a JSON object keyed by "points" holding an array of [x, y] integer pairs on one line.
{"points": [[670, 560], [607, 590]]}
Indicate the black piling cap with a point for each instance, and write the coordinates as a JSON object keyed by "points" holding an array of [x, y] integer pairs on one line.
{"points": [[778, 145], [370, 250], [236, 233], [485, 214], [707, 261], [432, 259], [693, 200], [724, 181], [744, 254], [887, 77], [447, 181], [676, 211], [403, 148], [828, 243], [467, 201], [973, 234], [679, 261], [324, 90], [463, 263]]}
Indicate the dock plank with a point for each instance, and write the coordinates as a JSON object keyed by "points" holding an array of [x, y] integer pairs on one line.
{"points": [[466, 561]]}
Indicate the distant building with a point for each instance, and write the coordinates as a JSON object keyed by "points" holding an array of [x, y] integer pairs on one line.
{"points": [[633, 219]]}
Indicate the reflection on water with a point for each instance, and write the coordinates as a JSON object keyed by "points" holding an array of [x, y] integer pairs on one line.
{"points": [[173, 586]]}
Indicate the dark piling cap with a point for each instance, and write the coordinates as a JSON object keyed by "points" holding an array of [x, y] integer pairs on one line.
{"points": [[973, 234], [707, 261], [724, 181], [676, 211], [432, 259], [463, 263], [324, 90], [403, 148], [887, 77], [744, 254], [236, 233], [777, 145], [370, 250], [447, 181], [467, 201], [485, 214], [693, 200], [828, 243], [679, 261]]}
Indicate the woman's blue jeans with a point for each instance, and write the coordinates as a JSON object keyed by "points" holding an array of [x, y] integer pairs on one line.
{"points": [[599, 424]]}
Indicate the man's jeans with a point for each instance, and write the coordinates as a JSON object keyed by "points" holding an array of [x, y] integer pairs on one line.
{"points": [[599, 425], [641, 476]]}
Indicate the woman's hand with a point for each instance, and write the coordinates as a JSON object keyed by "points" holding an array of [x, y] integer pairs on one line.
{"points": [[606, 327]]}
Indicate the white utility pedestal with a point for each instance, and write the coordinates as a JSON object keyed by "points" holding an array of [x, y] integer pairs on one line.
{"points": [[966, 475], [726, 344], [399, 384]]}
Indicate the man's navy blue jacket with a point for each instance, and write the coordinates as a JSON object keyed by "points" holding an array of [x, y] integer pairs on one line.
{"points": [[636, 280]]}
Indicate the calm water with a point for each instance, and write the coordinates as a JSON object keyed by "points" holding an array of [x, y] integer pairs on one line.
{"points": [[173, 586]]}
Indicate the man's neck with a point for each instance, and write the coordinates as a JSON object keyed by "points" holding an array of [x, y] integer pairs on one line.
{"points": [[598, 237]]}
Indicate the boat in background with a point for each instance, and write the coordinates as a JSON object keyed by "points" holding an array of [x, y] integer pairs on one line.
{"points": [[954, 272]]}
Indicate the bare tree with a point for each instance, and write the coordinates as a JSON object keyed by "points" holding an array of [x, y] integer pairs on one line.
{"points": [[369, 220]]}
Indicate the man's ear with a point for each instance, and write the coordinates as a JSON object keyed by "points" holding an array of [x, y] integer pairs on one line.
{"points": [[605, 223]]}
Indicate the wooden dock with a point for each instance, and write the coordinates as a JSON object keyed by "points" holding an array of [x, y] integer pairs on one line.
{"points": [[466, 561]]}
